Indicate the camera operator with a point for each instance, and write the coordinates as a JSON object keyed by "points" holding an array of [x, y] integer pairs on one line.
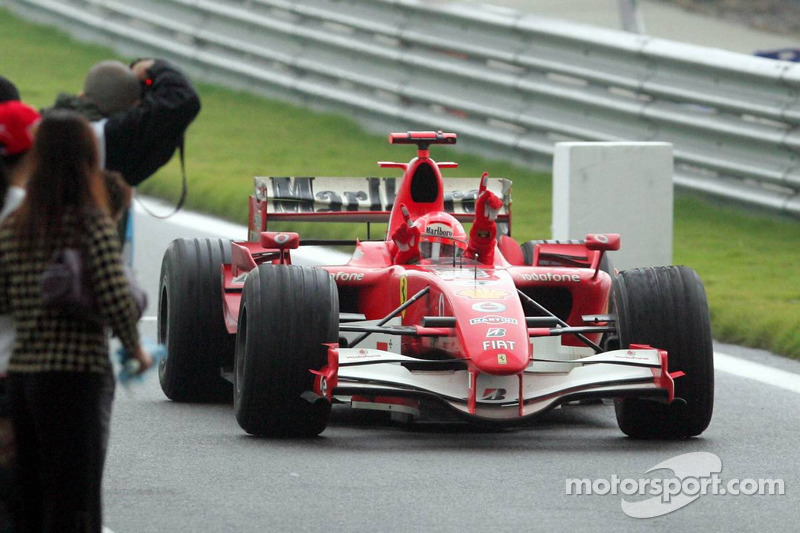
{"points": [[140, 113]]}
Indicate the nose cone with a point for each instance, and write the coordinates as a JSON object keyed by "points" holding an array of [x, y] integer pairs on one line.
{"points": [[491, 323], [500, 356]]}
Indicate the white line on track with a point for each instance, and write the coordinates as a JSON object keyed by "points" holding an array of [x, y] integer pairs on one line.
{"points": [[757, 372], [195, 221]]}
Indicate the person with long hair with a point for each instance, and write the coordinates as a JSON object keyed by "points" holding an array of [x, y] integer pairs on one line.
{"points": [[60, 374]]}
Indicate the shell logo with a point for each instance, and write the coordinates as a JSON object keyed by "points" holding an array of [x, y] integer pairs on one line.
{"points": [[483, 293]]}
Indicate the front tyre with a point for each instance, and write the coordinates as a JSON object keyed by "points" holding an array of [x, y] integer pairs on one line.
{"points": [[286, 314], [666, 307], [191, 323]]}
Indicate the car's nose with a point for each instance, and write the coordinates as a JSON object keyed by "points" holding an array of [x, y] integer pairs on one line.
{"points": [[500, 357]]}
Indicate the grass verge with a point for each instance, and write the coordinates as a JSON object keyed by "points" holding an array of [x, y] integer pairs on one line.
{"points": [[748, 262]]}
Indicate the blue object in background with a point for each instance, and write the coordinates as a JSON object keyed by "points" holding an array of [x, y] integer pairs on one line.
{"points": [[127, 245], [129, 367], [783, 54]]}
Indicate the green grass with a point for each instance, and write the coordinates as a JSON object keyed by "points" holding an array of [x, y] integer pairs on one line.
{"points": [[750, 263]]}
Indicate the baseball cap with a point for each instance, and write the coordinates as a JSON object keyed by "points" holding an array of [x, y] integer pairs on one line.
{"points": [[16, 127]]}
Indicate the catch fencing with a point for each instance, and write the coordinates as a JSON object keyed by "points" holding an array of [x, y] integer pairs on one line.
{"points": [[510, 84]]}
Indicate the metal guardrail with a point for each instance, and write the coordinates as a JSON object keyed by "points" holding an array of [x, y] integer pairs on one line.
{"points": [[511, 84]]}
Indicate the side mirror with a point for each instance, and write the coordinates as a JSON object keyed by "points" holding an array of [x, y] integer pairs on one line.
{"points": [[602, 241], [280, 240]]}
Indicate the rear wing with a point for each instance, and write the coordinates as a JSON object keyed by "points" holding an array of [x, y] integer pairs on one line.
{"points": [[365, 200]]}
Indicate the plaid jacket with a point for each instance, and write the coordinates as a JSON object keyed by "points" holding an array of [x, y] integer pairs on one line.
{"points": [[47, 341]]}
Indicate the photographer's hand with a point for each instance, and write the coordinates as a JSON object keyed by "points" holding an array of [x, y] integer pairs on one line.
{"points": [[141, 67]]}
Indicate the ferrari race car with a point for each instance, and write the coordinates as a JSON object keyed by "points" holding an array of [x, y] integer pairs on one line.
{"points": [[493, 331]]}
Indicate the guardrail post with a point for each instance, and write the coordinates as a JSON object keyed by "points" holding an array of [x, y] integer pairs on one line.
{"points": [[616, 187]]}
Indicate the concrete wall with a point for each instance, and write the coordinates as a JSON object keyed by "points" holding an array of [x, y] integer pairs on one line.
{"points": [[616, 187]]}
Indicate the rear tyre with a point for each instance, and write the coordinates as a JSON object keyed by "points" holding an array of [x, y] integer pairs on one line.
{"points": [[286, 314], [191, 323], [666, 307]]}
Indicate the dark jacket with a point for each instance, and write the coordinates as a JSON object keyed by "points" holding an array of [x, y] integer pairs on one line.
{"points": [[140, 140]]}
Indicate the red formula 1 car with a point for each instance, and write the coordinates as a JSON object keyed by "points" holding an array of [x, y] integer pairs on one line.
{"points": [[498, 333]]}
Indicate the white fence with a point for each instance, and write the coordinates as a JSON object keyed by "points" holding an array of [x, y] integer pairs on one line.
{"points": [[510, 84]]}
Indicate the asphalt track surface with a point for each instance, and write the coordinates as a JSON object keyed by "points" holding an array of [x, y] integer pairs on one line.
{"points": [[190, 468]]}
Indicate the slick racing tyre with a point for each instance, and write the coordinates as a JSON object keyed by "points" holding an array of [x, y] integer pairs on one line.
{"points": [[286, 314], [666, 307], [191, 323]]}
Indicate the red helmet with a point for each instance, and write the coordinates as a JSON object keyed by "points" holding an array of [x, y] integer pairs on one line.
{"points": [[442, 236]]}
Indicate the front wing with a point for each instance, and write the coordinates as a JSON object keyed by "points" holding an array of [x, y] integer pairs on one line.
{"points": [[637, 372]]}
